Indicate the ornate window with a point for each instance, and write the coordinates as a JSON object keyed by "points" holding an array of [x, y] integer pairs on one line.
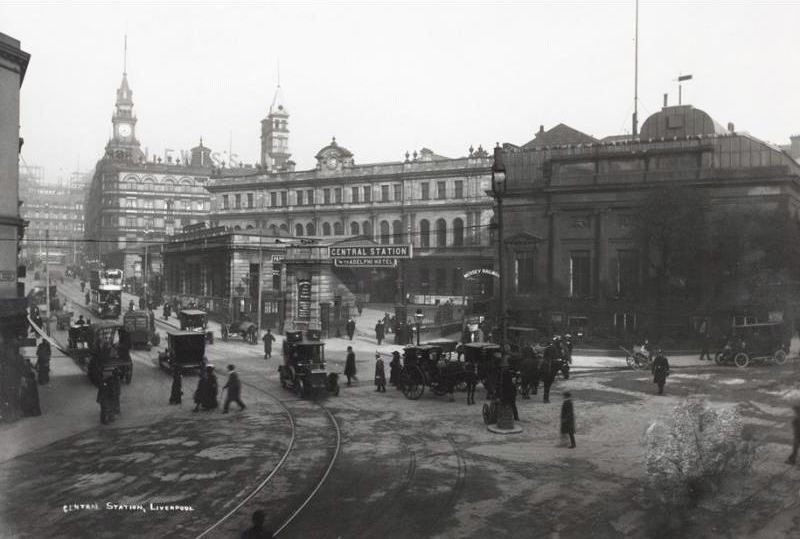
{"points": [[354, 228], [458, 232], [298, 229], [338, 229], [311, 230], [424, 234], [326, 229], [385, 239], [397, 231], [441, 233], [580, 280]]}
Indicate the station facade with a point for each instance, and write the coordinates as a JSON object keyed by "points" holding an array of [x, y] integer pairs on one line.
{"points": [[572, 215]]}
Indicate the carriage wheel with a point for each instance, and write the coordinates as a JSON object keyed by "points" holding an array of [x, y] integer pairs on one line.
{"points": [[460, 386], [779, 358], [298, 387], [741, 359], [718, 358], [412, 381], [630, 362]]}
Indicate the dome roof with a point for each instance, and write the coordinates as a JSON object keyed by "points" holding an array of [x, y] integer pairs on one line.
{"points": [[680, 121]]}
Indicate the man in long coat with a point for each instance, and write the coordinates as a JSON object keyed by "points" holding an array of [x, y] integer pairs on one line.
{"points": [[508, 392], [568, 419], [660, 370], [176, 392], [379, 332], [350, 365], [105, 397], [351, 328], [234, 387], [43, 362], [394, 369], [549, 366], [268, 339]]}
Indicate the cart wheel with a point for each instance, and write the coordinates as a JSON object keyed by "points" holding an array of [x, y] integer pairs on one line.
{"points": [[630, 362], [718, 358], [741, 359], [412, 390], [780, 357], [128, 375], [298, 387]]}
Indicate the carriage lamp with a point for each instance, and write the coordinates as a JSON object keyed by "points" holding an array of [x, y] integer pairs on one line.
{"points": [[419, 316]]}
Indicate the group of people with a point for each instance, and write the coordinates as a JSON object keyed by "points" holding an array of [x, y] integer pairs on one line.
{"points": [[205, 396]]}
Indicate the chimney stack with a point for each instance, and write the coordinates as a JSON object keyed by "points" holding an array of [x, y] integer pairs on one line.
{"points": [[541, 128], [665, 100], [731, 127]]}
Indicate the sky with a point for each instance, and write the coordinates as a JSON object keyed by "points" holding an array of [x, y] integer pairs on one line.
{"points": [[386, 78]]}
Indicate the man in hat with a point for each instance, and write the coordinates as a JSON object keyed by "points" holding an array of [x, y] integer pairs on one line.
{"points": [[394, 369], [351, 328], [568, 419], [350, 365], [268, 339], [379, 332], [660, 370], [380, 374], [234, 387], [796, 426]]}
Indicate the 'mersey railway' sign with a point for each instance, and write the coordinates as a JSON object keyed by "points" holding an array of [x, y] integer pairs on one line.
{"points": [[371, 251]]}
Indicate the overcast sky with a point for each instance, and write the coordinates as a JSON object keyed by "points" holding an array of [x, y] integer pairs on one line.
{"points": [[386, 78]]}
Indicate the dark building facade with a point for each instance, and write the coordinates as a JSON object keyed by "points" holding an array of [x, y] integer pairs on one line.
{"points": [[574, 220]]}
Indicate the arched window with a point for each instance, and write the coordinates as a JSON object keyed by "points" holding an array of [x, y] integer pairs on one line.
{"points": [[458, 232], [326, 229], [273, 230], [397, 231], [285, 228], [237, 227], [186, 186], [310, 230], [424, 234], [298, 229], [250, 227], [366, 229], [354, 228], [169, 185], [441, 233], [147, 185], [338, 228], [385, 232]]}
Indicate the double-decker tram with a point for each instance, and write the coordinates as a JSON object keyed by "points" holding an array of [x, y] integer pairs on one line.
{"points": [[105, 292]]}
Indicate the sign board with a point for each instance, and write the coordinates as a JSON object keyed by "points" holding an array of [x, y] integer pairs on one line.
{"points": [[364, 262], [304, 300], [371, 251], [8, 275], [481, 271], [278, 258]]}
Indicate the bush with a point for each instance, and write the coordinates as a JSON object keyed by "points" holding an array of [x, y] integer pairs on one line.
{"points": [[691, 456]]}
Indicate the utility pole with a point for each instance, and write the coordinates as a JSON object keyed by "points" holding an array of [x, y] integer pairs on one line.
{"points": [[636, 76], [260, 275], [47, 277]]}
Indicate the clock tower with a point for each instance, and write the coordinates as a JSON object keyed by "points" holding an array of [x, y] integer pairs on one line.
{"points": [[123, 144], [275, 136]]}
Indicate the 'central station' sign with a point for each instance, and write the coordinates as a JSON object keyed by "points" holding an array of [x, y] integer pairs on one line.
{"points": [[364, 262], [371, 251]]}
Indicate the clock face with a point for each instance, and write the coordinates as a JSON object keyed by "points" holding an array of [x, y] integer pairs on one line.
{"points": [[124, 130], [333, 162]]}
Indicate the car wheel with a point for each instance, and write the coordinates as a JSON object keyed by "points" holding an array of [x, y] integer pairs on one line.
{"points": [[741, 360], [780, 357]]}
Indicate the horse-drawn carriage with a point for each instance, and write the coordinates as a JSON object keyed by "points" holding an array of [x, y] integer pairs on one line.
{"points": [[303, 368], [246, 329], [429, 365], [185, 350], [638, 357], [197, 321], [63, 318], [765, 342]]}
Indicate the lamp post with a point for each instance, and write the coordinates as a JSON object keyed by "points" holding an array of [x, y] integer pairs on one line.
{"points": [[499, 188], [419, 316], [144, 271]]}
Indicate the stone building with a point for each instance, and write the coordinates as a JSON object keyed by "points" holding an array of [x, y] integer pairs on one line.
{"points": [[13, 305], [134, 199], [572, 212], [436, 203]]}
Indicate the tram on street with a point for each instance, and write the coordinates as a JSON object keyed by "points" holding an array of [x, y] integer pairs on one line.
{"points": [[105, 292]]}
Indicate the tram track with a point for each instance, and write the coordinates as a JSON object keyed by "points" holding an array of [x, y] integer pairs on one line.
{"points": [[262, 498]]}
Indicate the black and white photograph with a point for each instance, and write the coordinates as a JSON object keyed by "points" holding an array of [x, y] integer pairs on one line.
{"points": [[400, 270]]}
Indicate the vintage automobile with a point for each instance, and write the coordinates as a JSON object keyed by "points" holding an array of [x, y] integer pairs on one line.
{"points": [[428, 365], [109, 346], [141, 326], [185, 350], [303, 368], [246, 329], [197, 321], [765, 342]]}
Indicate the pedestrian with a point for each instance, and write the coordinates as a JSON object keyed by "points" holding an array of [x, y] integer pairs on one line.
{"points": [[705, 342], [130, 305], [351, 328], [105, 397], [380, 374], [508, 392], [796, 427], [43, 362], [471, 379], [359, 307], [116, 387], [660, 370], [549, 366], [234, 387], [176, 394], [29, 391], [257, 530], [206, 394], [80, 321], [268, 339], [394, 369], [379, 333], [387, 327], [568, 420], [568, 348], [350, 365], [86, 298]]}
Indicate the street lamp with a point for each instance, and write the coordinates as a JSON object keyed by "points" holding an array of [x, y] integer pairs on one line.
{"points": [[144, 272], [499, 188], [418, 315]]}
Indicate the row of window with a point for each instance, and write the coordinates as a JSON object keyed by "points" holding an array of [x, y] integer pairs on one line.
{"points": [[186, 185], [57, 225], [159, 204], [626, 278], [357, 195]]}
